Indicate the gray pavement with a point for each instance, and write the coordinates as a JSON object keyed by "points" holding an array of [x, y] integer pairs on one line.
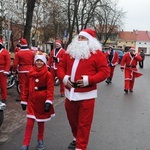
{"points": [[121, 121]]}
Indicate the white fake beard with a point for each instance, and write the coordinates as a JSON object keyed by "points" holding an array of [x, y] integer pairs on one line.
{"points": [[79, 49]]}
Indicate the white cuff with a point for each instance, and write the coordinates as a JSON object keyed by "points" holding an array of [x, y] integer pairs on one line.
{"points": [[49, 101], [65, 80], [85, 80]]}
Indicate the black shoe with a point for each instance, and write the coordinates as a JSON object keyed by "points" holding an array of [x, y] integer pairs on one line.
{"points": [[131, 90], [126, 91], [62, 95], [3, 101], [72, 145], [107, 81]]}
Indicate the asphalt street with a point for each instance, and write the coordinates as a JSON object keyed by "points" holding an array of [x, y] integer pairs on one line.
{"points": [[121, 121]]}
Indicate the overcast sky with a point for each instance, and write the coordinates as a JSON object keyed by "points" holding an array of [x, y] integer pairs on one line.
{"points": [[137, 14]]}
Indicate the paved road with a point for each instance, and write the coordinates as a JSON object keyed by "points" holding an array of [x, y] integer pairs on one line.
{"points": [[121, 121]]}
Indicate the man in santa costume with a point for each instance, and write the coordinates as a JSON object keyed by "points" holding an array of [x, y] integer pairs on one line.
{"points": [[112, 59], [83, 66], [4, 71], [55, 58], [23, 62], [128, 65]]}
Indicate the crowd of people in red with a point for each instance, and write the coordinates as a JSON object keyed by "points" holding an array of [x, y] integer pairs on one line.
{"points": [[79, 68]]}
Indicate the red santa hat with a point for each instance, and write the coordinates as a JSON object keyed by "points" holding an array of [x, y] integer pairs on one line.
{"points": [[110, 46], [58, 42], [88, 33], [23, 43], [41, 57], [132, 48], [1, 41]]}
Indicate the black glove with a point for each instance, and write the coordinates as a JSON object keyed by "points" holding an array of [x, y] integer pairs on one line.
{"points": [[55, 59], [23, 106], [47, 107]]}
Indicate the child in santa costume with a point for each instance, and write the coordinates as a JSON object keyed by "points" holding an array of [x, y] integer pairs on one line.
{"points": [[38, 99], [23, 62], [83, 66], [128, 65], [112, 59], [55, 58], [4, 71]]}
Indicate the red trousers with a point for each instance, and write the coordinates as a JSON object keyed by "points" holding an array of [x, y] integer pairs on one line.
{"points": [[111, 69], [128, 85], [3, 86], [29, 129], [80, 116], [54, 74], [22, 78]]}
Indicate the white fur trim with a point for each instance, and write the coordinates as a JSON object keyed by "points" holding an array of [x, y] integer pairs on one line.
{"points": [[85, 34], [41, 57], [6, 72], [85, 80], [40, 120], [78, 96], [23, 102], [65, 80], [49, 101]]}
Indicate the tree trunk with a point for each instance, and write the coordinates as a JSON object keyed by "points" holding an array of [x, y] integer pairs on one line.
{"points": [[29, 16]]}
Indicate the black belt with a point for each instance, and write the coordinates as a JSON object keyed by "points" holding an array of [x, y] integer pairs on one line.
{"points": [[75, 85], [41, 88], [131, 66]]}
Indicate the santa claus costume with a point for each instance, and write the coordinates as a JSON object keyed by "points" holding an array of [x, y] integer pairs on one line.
{"points": [[4, 71], [38, 98], [128, 64], [83, 66], [55, 58], [112, 60], [23, 62]]}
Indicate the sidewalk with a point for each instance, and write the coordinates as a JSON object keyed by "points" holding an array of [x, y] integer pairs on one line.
{"points": [[14, 116]]}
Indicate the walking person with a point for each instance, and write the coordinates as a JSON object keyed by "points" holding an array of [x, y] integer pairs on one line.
{"points": [[83, 66], [38, 99], [112, 60], [141, 63], [129, 66], [23, 62], [55, 58], [4, 71]]}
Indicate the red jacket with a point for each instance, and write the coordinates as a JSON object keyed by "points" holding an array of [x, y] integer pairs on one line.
{"points": [[4, 61], [23, 61], [39, 89], [93, 70], [59, 55], [129, 63]]}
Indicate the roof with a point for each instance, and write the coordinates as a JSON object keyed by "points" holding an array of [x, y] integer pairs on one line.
{"points": [[135, 35], [142, 36], [127, 36]]}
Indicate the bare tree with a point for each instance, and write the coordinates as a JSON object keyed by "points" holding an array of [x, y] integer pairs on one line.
{"points": [[29, 16]]}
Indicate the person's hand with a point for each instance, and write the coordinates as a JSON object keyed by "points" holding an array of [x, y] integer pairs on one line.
{"points": [[69, 84], [47, 107], [23, 106], [80, 83]]}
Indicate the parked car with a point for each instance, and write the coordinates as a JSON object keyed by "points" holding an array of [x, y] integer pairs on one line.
{"points": [[118, 50]]}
